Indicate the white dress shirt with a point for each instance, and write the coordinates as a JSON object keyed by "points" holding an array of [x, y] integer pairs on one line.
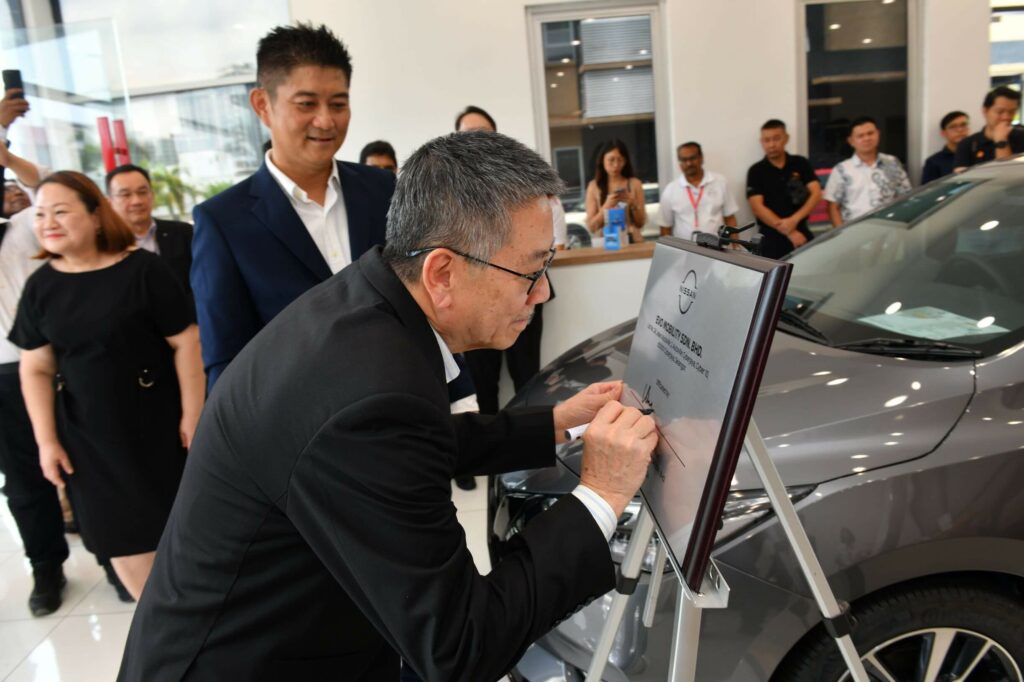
{"points": [[690, 208], [327, 224], [859, 187], [16, 264], [595, 504], [148, 241]]}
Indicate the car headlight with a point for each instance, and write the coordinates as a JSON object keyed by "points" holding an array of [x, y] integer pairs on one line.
{"points": [[742, 508]]}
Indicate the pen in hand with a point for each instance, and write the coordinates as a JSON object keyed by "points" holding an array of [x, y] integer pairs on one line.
{"points": [[577, 432]]}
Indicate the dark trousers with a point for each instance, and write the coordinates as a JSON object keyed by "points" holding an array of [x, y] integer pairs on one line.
{"points": [[523, 362], [30, 497]]}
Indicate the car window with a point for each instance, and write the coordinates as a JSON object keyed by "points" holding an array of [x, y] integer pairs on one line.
{"points": [[944, 264]]}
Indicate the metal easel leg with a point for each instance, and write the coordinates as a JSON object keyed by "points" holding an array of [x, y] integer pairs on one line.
{"points": [[629, 574], [682, 666], [837, 621]]}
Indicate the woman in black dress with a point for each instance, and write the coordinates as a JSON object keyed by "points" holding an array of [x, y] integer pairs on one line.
{"points": [[111, 373]]}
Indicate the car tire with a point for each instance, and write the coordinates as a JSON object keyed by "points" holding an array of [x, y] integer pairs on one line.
{"points": [[904, 631]]}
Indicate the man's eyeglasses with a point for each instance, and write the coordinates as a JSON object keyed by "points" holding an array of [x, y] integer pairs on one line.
{"points": [[534, 277]]}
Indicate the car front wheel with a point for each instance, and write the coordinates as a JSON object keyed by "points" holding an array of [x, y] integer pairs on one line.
{"points": [[934, 633]]}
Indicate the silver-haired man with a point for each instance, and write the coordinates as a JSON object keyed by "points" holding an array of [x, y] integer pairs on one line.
{"points": [[314, 535]]}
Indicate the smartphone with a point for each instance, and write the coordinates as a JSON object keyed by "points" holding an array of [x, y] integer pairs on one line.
{"points": [[12, 79]]}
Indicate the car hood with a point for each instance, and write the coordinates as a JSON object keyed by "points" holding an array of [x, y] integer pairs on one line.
{"points": [[825, 413]]}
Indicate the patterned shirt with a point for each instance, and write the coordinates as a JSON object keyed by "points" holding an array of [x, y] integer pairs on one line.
{"points": [[859, 187]]}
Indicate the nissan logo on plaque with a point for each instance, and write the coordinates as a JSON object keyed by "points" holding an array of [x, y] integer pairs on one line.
{"points": [[687, 292]]}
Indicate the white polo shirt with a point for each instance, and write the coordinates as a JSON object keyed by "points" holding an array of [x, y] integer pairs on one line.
{"points": [[16, 264], [690, 208], [327, 224], [859, 187]]}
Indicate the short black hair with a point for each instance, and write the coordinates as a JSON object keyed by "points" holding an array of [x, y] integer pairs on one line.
{"points": [[773, 124], [859, 121], [378, 148], [288, 47], [1001, 91], [127, 168], [950, 117], [700, 151], [474, 110]]}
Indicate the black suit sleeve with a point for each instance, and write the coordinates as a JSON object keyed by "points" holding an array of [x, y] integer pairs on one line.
{"points": [[371, 496], [507, 441]]}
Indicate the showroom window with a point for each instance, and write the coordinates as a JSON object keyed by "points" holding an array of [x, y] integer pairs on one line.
{"points": [[856, 65], [856, 57], [599, 74], [187, 117], [1006, 36]]}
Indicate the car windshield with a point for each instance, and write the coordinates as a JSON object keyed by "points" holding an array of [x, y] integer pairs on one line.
{"points": [[940, 269]]}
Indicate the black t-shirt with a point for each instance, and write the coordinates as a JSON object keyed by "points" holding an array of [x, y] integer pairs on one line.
{"points": [[977, 148], [784, 190]]}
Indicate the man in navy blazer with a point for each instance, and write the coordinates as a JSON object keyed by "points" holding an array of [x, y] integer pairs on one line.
{"points": [[303, 215]]}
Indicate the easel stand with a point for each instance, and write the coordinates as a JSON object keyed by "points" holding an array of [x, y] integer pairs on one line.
{"points": [[714, 592]]}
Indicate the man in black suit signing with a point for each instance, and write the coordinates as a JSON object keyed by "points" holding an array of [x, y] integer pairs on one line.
{"points": [[131, 195], [314, 535]]}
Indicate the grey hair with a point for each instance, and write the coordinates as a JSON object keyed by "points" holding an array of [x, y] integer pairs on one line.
{"points": [[458, 191]]}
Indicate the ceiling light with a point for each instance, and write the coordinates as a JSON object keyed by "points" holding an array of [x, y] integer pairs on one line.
{"points": [[821, 374], [566, 60], [857, 470], [575, 42], [893, 308], [866, 41], [990, 225], [554, 85], [834, 27], [560, 74], [629, 67], [986, 322], [836, 382], [916, 385], [859, 457], [898, 400], [645, 51]]}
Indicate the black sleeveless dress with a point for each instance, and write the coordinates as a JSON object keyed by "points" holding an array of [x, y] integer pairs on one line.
{"points": [[117, 401]]}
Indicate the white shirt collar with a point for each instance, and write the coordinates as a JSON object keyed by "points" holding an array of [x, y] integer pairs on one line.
{"points": [[859, 162], [451, 368], [291, 188], [703, 181]]}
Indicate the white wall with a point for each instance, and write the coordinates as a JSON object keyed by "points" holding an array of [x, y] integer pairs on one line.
{"points": [[417, 63], [955, 64], [731, 65]]}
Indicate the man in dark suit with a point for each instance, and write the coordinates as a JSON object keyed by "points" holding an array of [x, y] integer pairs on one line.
{"points": [[131, 194], [314, 535], [302, 216]]}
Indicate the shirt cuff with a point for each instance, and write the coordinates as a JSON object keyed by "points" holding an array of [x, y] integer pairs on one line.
{"points": [[598, 508]]}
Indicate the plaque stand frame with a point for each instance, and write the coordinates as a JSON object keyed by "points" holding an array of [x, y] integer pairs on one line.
{"points": [[714, 592]]}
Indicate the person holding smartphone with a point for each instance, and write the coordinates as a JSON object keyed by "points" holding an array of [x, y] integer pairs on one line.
{"points": [[614, 184]]}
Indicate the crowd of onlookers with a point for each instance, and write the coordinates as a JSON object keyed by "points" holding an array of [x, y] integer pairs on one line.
{"points": [[103, 377]]}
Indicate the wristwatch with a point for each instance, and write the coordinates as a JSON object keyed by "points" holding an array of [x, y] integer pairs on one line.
{"points": [[1002, 144]]}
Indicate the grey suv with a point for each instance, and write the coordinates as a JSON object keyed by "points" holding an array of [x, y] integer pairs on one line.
{"points": [[893, 406]]}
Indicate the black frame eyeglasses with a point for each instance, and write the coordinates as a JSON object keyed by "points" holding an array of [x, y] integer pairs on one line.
{"points": [[534, 277]]}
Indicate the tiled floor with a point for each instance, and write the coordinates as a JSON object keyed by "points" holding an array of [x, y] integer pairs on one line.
{"points": [[83, 640]]}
